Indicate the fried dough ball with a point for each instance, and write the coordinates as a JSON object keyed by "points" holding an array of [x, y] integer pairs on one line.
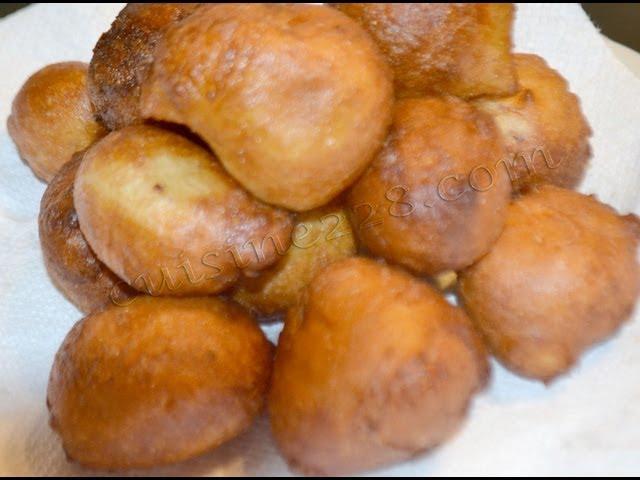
{"points": [[52, 118], [294, 99], [442, 48], [320, 237], [72, 265], [372, 367], [158, 381], [432, 200], [544, 128], [164, 215], [562, 276], [123, 56]]}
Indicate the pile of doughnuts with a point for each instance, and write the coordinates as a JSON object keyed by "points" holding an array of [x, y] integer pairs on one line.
{"points": [[342, 168]]}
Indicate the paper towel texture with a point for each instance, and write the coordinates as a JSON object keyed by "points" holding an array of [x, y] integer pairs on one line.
{"points": [[586, 423]]}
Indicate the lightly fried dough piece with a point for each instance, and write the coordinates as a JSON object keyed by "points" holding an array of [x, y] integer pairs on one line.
{"points": [[545, 131], [293, 99], [320, 237], [562, 276], [72, 265], [372, 367], [432, 200], [458, 49], [123, 57], [52, 118], [164, 215], [158, 381]]}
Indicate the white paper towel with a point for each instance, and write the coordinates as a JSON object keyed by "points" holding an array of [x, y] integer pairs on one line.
{"points": [[586, 423]]}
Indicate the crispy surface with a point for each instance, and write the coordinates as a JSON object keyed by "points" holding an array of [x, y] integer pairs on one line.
{"points": [[163, 214], [372, 367], [158, 381], [544, 128], [72, 265], [294, 99], [319, 238], [122, 59], [51, 118], [562, 276], [431, 199], [448, 48]]}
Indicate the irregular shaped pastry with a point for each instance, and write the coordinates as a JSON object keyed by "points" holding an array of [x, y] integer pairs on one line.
{"points": [[562, 276], [460, 49], [544, 128], [320, 238], [162, 213], [372, 367], [123, 56], [72, 265], [432, 199], [293, 99], [52, 118], [158, 381]]}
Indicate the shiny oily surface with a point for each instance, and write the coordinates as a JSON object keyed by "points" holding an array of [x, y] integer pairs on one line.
{"points": [[158, 381], [544, 128], [459, 49], [293, 99], [164, 215], [320, 237], [123, 57], [372, 367], [562, 277], [433, 198], [52, 118], [72, 266]]}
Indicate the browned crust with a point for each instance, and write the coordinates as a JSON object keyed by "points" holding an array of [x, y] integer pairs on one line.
{"points": [[123, 56], [442, 48], [433, 199], [157, 382], [373, 367], [72, 265], [52, 118], [562, 276], [164, 215]]}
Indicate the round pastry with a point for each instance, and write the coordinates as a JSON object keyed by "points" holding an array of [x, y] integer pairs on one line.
{"points": [[72, 265], [372, 367], [459, 49], [320, 237], [52, 118], [164, 216], [123, 57], [562, 276], [158, 381], [432, 199], [543, 126], [293, 99]]}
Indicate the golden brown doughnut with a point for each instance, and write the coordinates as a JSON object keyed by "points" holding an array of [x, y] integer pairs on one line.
{"points": [[52, 118], [320, 237], [544, 128], [72, 265], [372, 367], [162, 214], [158, 381], [432, 199], [562, 276], [442, 48], [123, 56], [293, 99]]}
